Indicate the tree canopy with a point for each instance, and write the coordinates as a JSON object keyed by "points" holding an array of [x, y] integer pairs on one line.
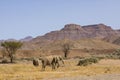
{"points": [[11, 47]]}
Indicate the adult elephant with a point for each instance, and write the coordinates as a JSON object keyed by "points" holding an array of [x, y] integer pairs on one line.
{"points": [[53, 61]]}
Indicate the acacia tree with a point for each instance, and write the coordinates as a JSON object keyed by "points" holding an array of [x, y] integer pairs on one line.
{"points": [[11, 47], [66, 47]]}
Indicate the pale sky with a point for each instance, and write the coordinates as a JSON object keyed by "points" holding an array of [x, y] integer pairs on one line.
{"points": [[21, 18]]}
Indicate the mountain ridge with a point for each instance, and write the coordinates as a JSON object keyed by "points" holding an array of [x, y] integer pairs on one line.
{"points": [[75, 32], [96, 36]]}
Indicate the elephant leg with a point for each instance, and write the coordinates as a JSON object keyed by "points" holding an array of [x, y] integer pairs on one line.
{"points": [[53, 66], [43, 66], [58, 65]]}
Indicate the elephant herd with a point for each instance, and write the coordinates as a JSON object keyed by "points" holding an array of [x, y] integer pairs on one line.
{"points": [[54, 61]]}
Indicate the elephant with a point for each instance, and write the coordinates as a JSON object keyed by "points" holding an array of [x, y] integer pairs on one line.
{"points": [[53, 61]]}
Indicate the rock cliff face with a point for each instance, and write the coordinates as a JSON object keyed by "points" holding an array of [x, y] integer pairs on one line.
{"points": [[100, 30], [73, 31], [76, 32]]}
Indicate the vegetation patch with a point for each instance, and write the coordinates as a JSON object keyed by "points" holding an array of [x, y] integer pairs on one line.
{"points": [[87, 61]]}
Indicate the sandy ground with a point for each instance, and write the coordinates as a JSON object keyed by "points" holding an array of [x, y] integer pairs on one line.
{"points": [[97, 77], [104, 70], [106, 76]]}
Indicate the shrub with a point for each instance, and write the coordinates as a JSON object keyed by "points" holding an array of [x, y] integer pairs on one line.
{"points": [[87, 61], [114, 55], [93, 60], [83, 62]]}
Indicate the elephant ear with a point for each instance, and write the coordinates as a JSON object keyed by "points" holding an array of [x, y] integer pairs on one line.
{"points": [[35, 62]]}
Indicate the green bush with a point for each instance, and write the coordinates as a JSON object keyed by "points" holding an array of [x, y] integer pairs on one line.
{"points": [[83, 62], [93, 60], [87, 61], [114, 55]]}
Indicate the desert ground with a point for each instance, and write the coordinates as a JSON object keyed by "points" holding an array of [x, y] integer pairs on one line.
{"points": [[105, 69]]}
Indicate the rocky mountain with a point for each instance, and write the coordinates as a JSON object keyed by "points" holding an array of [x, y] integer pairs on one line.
{"points": [[10, 39], [97, 36], [100, 30], [76, 32], [28, 38], [112, 39], [115, 39], [89, 35]]}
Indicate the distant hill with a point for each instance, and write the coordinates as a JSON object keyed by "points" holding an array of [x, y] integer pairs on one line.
{"points": [[28, 38], [112, 39], [93, 37], [90, 36], [76, 32], [78, 44]]}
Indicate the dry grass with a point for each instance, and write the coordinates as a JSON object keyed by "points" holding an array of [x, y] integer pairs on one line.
{"points": [[25, 71]]}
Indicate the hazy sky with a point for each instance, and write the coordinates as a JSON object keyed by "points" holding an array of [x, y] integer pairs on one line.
{"points": [[21, 18]]}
